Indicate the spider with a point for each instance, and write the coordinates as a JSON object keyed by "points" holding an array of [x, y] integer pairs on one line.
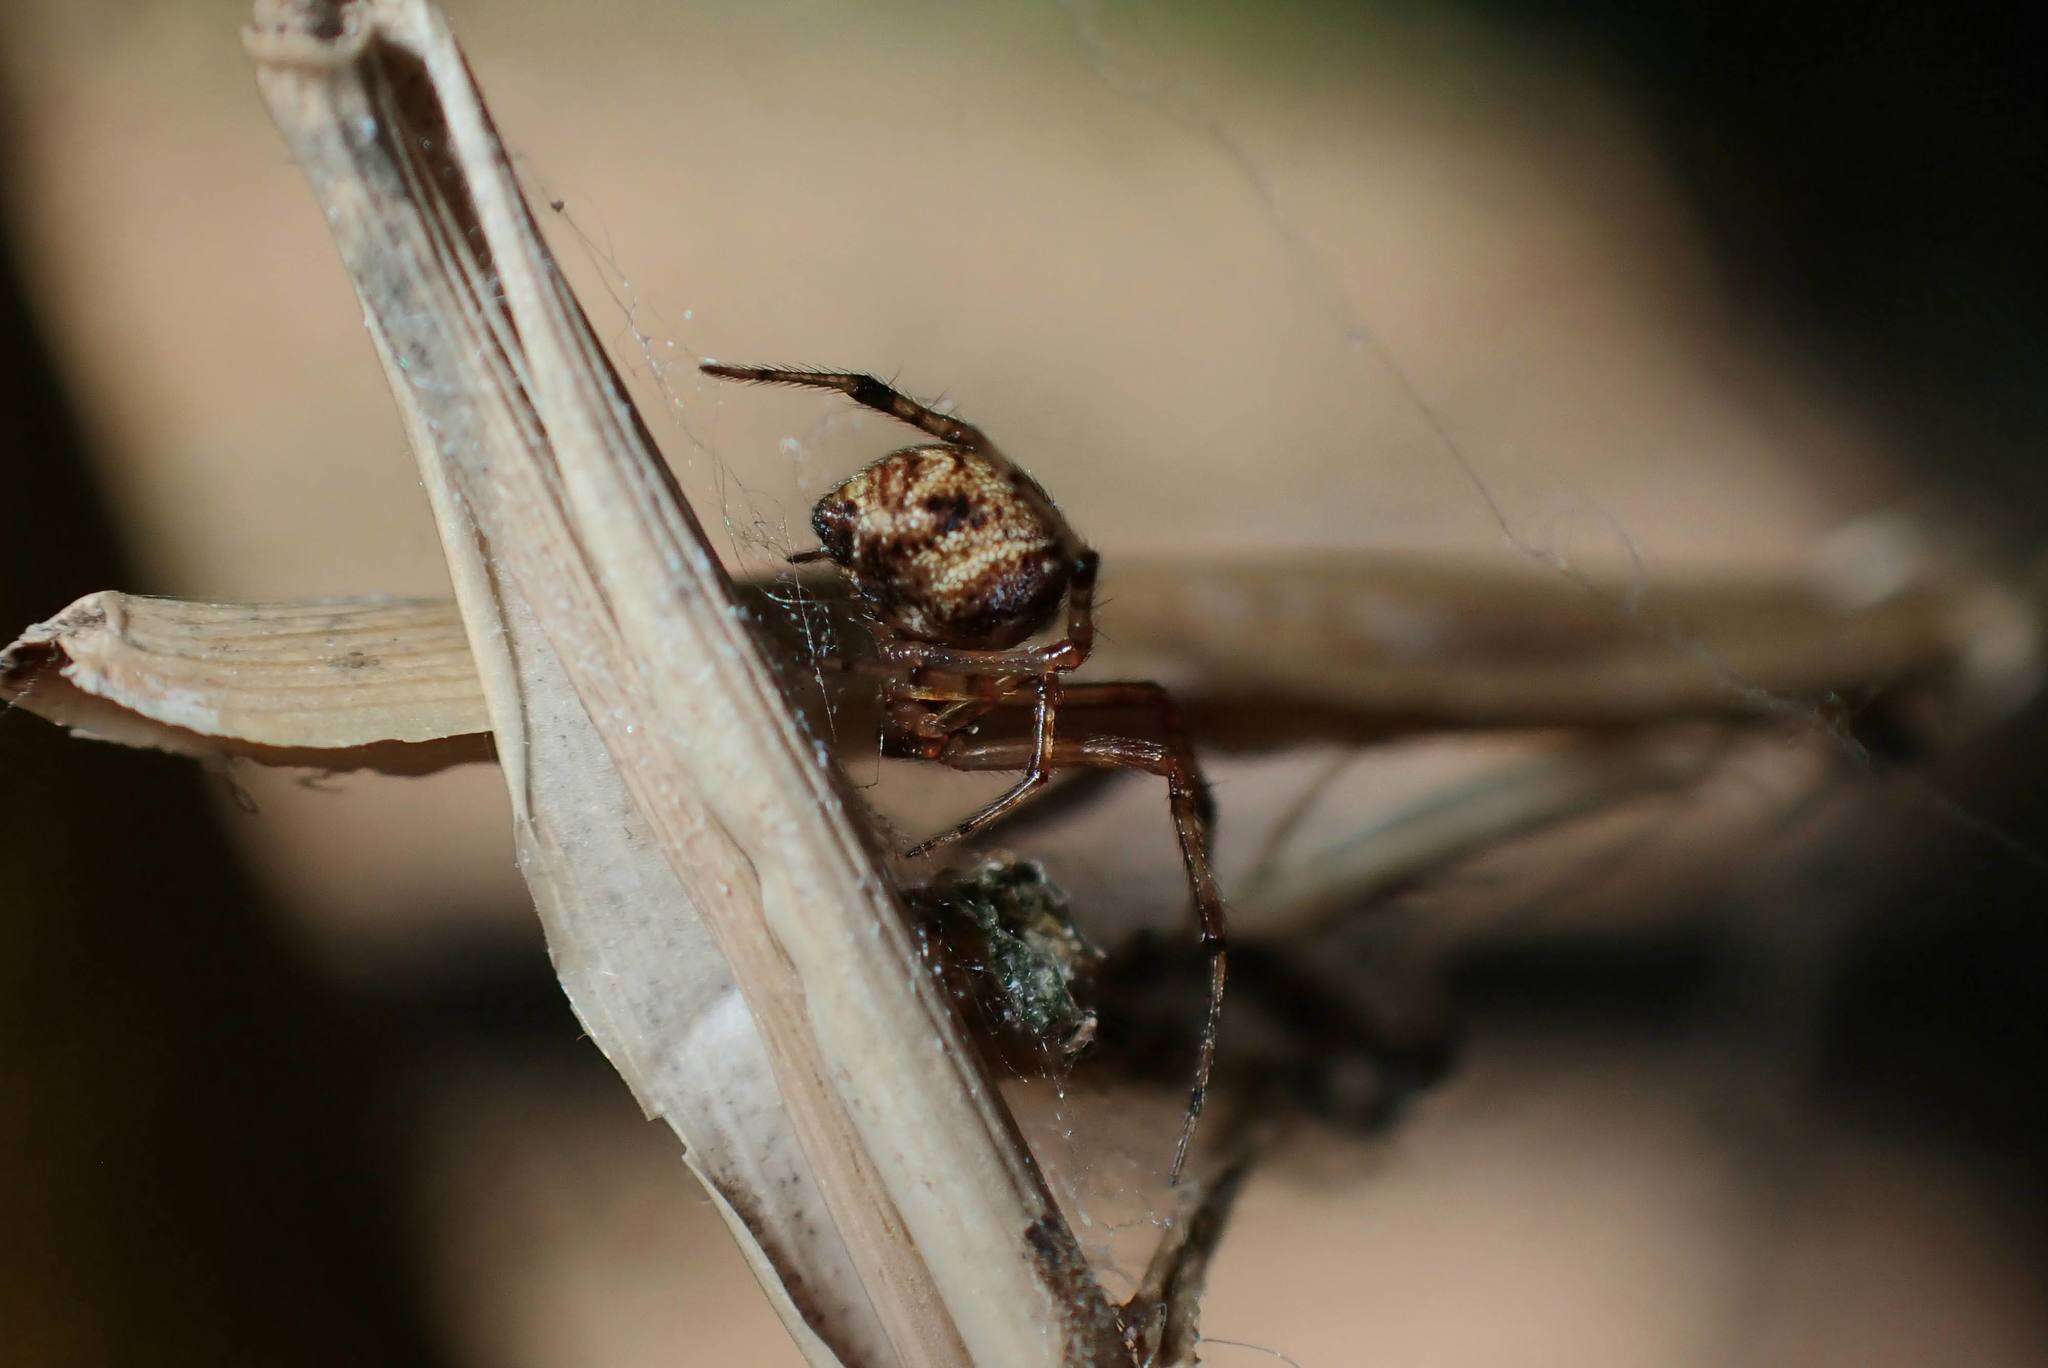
{"points": [[960, 557]]}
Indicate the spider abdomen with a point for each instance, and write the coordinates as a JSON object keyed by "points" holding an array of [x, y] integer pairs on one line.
{"points": [[949, 546]]}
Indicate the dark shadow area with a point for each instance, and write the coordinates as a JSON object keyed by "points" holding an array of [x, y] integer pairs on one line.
{"points": [[1876, 179], [203, 1163]]}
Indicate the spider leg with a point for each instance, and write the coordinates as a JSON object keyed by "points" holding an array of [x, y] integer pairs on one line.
{"points": [[1037, 771], [1154, 699], [960, 714], [971, 698], [963, 708], [862, 389], [1188, 800]]}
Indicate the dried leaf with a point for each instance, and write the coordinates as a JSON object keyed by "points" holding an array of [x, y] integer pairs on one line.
{"points": [[666, 798], [338, 684], [1377, 641]]}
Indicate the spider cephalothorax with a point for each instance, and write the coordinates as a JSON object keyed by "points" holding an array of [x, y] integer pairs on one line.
{"points": [[962, 557]]}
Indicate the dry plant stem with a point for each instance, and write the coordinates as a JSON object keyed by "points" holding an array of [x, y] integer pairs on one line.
{"points": [[337, 684], [1305, 889], [328, 683], [1164, 1313], [1435, 640], [554, 503]]}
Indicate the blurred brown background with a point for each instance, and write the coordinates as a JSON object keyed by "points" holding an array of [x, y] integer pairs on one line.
{"points": [[288, 1078]]}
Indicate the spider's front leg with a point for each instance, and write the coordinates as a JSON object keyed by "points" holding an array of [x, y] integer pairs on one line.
{"points": [[865, 390], [921, 718]]}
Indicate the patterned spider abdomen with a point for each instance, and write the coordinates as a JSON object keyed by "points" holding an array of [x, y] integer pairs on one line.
{"points": [[949, 546]]}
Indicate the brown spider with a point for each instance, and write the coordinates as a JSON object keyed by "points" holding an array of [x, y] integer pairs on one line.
{"points": [[961, 556]]}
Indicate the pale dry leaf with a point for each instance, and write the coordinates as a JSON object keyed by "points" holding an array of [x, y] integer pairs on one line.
{"points": [[901, 1219], [334, 684]]}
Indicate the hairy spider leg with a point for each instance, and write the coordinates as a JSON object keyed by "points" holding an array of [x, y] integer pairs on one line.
{"points": [[1044, 693], [918, 733], [862, 389], [967, 699], [1188, 799]]}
